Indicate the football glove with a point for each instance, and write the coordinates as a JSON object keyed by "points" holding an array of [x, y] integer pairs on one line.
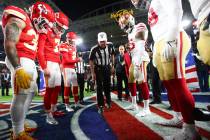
{"points": [[169, 51], [22, 78]]}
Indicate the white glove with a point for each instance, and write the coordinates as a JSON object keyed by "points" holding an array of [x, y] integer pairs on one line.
{"points": [[169, 50]]}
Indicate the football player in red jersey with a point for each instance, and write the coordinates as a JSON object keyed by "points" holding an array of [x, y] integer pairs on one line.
{"points": [[137, 36], [172, 45], [20, 45], [49, 59], [69, 59]]}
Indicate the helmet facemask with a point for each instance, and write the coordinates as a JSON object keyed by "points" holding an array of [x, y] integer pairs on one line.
{"points": [[126, 23]]}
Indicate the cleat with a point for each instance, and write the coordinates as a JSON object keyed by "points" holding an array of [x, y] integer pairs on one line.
{"points": [[79, 105], [21, 136], [132, 107], [51, 120], [208, 107], [69, 109], [175, 122], [58, 114], [200, 115], [29, 129], [185, 134], [143, 113], [100, 110]]}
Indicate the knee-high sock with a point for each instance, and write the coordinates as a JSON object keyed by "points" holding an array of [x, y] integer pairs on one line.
{"points": [[28, 102], [54, 97], [17, 110], [171, 96], [146, 104], [75, 94], [185, 99], [145, 90], [132, 88], [66, 94], [47, 98], [133, 98]]}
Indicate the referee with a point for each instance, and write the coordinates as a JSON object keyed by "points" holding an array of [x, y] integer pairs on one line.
{"points": [[80, 69], [101, 56]]}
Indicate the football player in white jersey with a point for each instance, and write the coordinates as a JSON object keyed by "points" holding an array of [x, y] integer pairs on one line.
{"points": [[201, 11], [171, 47], [137, 36]]}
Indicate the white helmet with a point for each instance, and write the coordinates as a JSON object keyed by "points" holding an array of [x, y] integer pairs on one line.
{"points": [[126, 22]]}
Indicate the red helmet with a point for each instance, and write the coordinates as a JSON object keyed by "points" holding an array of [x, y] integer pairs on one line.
{"points": [[42, 16], [62, 20], [71, 36]]}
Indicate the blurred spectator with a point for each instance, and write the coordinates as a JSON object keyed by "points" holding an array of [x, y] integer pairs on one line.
{"points": [[80, 69], [5, 82], [202, 69], [120, 72], [156, 83]]}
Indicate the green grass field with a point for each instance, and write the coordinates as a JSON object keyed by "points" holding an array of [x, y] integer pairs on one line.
{"points": [[37, 97]]}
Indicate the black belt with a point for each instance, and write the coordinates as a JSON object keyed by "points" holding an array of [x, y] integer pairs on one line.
{"points": [[102, 66]]}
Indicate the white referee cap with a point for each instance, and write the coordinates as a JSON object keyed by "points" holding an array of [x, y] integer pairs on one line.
{"points": [[102, 36]]}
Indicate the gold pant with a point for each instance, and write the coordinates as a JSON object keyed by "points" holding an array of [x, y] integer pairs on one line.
{"points": [[203, 45], [174, 68]]}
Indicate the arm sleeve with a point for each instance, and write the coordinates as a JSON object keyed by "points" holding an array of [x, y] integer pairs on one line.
{"points": [[175, 12], [40, 55]]}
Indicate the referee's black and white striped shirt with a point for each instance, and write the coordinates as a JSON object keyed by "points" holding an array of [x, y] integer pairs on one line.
{"points": [[102, 56], [80, 67]]}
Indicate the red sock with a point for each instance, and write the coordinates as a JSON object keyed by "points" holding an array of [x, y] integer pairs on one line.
{"points": [[145, 90], [75, 94], [185, 99], [54, 97], [171, 96], [47, 98], [66, 94], [132, 88]]}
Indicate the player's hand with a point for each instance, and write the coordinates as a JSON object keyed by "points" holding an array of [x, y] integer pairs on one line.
{"points": [[169, 51], [22, 78], [46, 72]]}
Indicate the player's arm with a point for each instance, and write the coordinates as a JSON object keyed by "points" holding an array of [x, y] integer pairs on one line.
{"points": [[174, 10], [12, 33]]}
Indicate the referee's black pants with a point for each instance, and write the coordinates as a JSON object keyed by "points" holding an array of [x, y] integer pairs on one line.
{"points": [[81, 83], [103, 82]]}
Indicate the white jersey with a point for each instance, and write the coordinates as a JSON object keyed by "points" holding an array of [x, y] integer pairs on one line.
{"points": [[164, 18], [200, 9], [137, 46]]}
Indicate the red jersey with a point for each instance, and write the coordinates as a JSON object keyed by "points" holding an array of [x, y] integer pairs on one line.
{"points": [[69, 57], [27, 45], [51, 49], [48, 48]]}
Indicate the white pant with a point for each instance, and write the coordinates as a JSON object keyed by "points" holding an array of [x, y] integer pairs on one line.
{"points": [[30, 67], [55, 75], [70, 77]]}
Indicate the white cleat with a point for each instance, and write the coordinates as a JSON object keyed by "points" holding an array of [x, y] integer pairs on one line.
{"points": [[175, 122], [69, 109], [143, 113], [51, 120], [79, 105], [185, 134], [132, 107]]}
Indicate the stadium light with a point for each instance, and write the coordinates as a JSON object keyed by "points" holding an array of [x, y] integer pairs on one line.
{"points": [[79, 41], [186, 23]]}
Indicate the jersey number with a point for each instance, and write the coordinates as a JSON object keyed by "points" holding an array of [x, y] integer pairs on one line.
{"points": [[152, 17], [33, 44]]}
